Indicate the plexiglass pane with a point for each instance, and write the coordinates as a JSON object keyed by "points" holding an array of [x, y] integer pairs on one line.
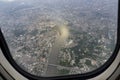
{"points": [[59, 37]]}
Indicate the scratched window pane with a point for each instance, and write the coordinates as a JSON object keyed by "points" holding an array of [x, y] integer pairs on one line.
{"points": [[59, 37]]}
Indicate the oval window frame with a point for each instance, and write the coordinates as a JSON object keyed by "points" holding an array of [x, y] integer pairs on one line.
{"points": [[82, 76]]}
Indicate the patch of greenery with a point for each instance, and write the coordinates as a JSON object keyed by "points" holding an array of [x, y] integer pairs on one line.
{"points": [[64, 63], [64, 71], [88, 62]]}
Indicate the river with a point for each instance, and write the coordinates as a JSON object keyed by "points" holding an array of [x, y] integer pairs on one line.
{"points": [[60, 41]]}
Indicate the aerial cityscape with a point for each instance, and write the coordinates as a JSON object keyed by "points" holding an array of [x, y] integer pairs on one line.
{"points": [[59, 37]]}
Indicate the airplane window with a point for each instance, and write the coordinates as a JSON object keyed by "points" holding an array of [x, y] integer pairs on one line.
{"points": [[59, 37]]}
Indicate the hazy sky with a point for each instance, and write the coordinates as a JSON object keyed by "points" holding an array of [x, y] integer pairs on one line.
{"points": [[7, 0]]}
